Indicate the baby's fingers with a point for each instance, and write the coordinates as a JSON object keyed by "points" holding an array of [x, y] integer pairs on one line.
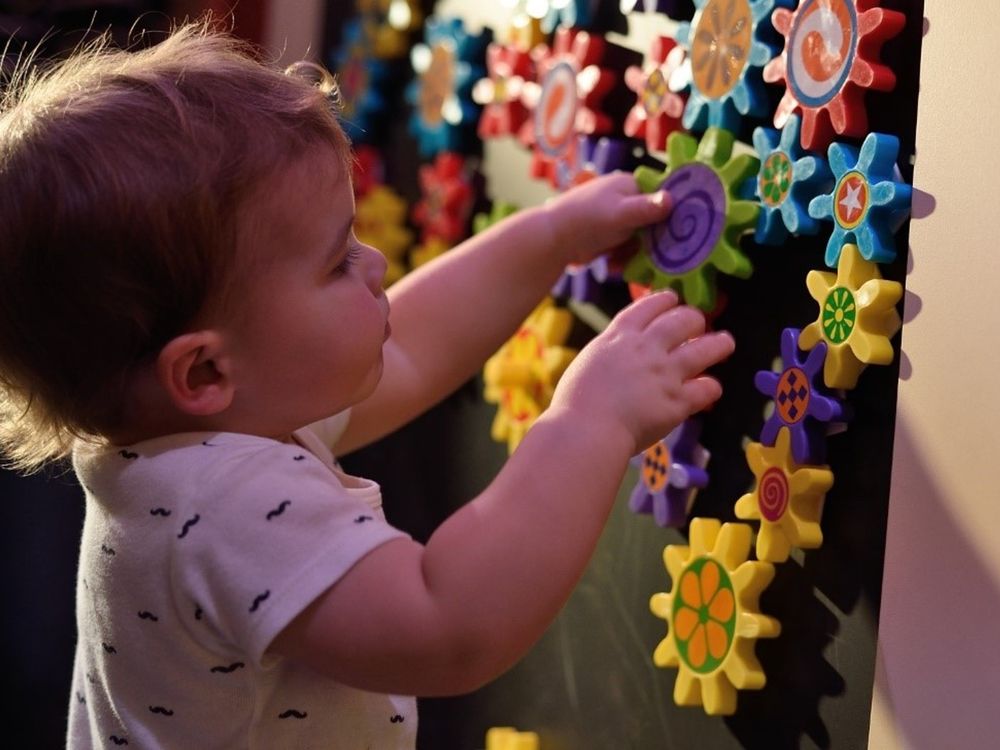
{"points": [[699, 354], [643, 311], [676, 326], [700, 393], [644, 209]]}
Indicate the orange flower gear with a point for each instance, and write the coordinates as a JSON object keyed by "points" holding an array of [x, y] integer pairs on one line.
{"points": [[713, 616], [521, 377], [704, 618], [787, 499]]}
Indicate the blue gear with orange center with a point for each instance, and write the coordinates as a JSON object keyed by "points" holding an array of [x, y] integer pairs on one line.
{"points": [[867, 205], [746, 95], [455, 124]]}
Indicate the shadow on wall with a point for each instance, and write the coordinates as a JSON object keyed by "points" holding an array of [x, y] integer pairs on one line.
{"points": [[941, 607]]}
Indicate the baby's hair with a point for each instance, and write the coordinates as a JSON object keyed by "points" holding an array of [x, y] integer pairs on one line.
{"points": [[122, 176]]}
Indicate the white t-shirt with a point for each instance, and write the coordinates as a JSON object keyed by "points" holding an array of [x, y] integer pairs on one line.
{"points": [[197, 550]]}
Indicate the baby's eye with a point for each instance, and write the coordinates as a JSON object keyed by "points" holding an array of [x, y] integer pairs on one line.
{"points": [[351, 257]]}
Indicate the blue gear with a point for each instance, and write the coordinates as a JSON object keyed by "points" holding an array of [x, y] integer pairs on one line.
{"points": [[575, 14], [361, 109], [747, 97], [456, 129], [883, 202], [808, 176]]}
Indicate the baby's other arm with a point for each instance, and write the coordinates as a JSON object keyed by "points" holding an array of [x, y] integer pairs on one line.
{"points": [[449, 316], [450, 616]]}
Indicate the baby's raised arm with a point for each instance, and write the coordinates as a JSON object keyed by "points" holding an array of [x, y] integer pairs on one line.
{"points": [[450, 315], [449, 616]]}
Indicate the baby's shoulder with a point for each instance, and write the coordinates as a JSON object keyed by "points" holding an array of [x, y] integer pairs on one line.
{"points": [[201, 465]]}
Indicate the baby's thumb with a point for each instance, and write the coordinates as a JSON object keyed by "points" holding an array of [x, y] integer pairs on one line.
{"points": [[648, 208]]}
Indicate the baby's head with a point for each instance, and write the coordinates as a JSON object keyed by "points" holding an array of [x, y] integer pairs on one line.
{"points": [[125, 184]]}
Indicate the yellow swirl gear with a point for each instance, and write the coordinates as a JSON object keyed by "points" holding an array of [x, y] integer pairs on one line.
{"points": [[787, 499]]}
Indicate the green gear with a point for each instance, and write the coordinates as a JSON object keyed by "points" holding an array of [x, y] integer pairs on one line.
{"points": [[697, 286]]}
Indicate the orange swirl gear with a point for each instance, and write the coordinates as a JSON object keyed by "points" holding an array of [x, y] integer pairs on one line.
{"points": [[521, 377], [713, 616], [565, 102]]}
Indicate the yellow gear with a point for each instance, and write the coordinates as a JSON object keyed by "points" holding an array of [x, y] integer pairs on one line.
{"points": [[857, 317], [508, 738], [713, 616], [787, 499], [522, 375], [380, 221]]}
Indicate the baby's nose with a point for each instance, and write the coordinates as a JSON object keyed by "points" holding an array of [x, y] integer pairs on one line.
{"points": [[375, 267]]}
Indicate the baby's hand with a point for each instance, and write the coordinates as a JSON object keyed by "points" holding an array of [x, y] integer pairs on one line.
{"points": [[597, 215], [643, 375]]}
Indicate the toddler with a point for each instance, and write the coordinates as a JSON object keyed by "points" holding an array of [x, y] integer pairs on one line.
{"points": [[187, 315]]}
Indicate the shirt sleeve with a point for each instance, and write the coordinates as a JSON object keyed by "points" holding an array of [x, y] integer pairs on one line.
{"points": [[279, 530]]}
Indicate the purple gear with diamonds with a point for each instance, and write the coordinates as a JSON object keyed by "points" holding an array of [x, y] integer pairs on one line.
{"points": [[670, 473], [802, 403]]}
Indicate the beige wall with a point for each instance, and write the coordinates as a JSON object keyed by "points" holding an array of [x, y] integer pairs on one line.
{"points": [[938, 675]]}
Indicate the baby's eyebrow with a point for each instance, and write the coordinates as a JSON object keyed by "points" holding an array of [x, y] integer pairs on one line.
{"points": [[340, 240]]}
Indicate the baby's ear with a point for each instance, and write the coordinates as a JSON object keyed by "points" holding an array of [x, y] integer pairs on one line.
{"points": [[194, 370]]}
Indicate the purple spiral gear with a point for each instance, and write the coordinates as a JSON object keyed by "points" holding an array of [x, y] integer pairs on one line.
{"points": [[687, 238]]}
